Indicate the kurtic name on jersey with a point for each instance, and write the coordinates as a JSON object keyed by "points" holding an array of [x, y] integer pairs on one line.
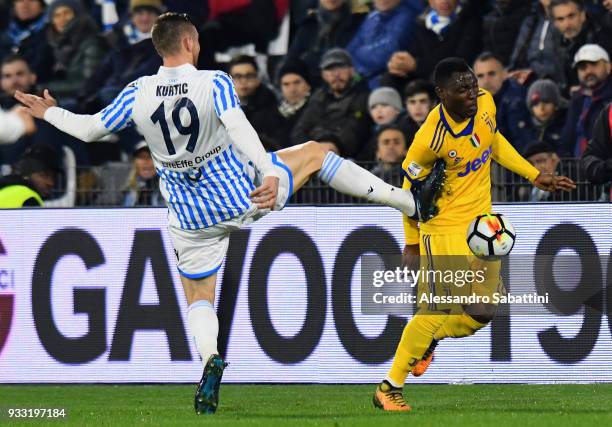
{"points": [[171, 90]]}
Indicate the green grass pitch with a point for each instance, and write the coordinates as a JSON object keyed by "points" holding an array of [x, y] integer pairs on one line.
{"points": [[316, 405]]}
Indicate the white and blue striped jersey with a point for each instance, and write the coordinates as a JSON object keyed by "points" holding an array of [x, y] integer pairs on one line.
{"points": [[179, 112]]}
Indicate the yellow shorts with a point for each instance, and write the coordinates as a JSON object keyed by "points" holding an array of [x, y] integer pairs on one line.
{"points": [[452, 277]]}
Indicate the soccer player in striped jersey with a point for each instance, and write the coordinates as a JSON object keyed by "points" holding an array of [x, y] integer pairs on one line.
{"points": [[461, 133], [214, 173]]}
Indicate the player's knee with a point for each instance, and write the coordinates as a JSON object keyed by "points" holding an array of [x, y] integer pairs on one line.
{"points": [[482, 313], [315, 153]]}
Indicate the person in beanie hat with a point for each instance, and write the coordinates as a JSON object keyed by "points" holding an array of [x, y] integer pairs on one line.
{"points": [[294, 66], [544, 91], [542, 155], [548, 111], [293, 81], [545, 158], [385, 105], [155, 6], [33, 178]]}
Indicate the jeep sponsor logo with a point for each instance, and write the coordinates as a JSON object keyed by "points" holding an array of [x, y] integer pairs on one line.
{"points": [[474, 165]]}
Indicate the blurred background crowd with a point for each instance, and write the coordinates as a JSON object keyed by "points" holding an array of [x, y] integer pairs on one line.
{"points": [[352, 74]]}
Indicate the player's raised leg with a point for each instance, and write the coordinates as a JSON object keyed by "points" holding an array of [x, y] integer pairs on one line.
{"points": [[309, 158], [204, 327]]}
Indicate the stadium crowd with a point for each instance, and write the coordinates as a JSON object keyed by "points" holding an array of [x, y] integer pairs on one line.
{"points": [[354, 75]]}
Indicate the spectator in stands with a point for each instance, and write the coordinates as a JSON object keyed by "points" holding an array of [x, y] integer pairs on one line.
{"points": [[419, 99], [501, 25], [533, 54], [597, 158], [77, 50], [391, 150], [337, 113], [331, 25], [32, 180], [385, 106], [545, 159], [387, 29], [294, 82], [132, 55], [257, 101], [548, 113], [143, 184], [26, 35], [575, 28], [446, 28], [592, 64], [512, 114], [15, 74]]}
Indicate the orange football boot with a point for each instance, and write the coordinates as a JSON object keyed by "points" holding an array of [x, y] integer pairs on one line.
{"points": [[422, 365], [389, 398]]}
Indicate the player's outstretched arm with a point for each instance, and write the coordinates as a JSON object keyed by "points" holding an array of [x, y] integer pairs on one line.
{"points": [[85, 127], [507, 156]]}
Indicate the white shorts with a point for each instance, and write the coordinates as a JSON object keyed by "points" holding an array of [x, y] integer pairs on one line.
{"points": [[200, 253]]}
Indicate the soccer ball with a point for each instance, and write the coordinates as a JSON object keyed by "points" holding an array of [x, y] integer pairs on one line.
{"points": [[490, 236]]}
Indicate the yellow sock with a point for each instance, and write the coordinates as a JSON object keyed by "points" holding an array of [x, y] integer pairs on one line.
{"points": [[416, 338], [457, 326]]}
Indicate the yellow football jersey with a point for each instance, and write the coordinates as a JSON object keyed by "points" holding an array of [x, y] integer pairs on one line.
{"points": [[468, 149]]}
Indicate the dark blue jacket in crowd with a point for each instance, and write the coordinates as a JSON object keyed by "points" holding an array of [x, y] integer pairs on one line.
{"points": [[29, 39], [550, 132], [380, 35], [581, 116], [513, 117], [320, 31], [123, 64]]}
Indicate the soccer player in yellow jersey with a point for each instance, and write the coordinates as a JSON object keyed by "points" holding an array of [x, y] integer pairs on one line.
{"points": [[462, 133]]}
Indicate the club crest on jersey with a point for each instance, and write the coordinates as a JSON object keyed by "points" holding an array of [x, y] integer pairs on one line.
{"points": [[485, 118], [453, 155], [475, 141], [194, 174]]}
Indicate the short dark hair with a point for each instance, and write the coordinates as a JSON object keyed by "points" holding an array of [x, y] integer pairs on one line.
{"points": [[390, 126], [488, 56], [420, 86], [14, 57], [168, 31], [579, 4], [447, 67], [242, 59]]}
